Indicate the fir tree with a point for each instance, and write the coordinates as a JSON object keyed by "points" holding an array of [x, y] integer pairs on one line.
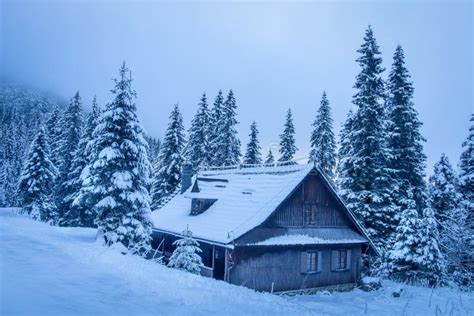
{"points": [[344, 164], [12, 154], [443, 191], [466, 189], [117, 180], [71, 126], [54, 132], [226, 144], [169, 168], [287, 139], [405, 140], [79, 213], [431, 261], [416, 257], [270, 159], [185, 257], [36, 181], [198, 150], [253, 155], [404, 253], [214, 122], [368, 185], [323, 143]]}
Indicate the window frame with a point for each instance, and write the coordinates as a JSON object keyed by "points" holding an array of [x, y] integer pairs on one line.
{"points": [[310, 210], [312, 262]]}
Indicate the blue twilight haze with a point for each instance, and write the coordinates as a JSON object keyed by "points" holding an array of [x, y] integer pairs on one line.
{"points": [[274, 55]]}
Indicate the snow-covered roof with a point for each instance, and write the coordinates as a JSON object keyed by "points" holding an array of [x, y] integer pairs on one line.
{"points": [[248, 197]]}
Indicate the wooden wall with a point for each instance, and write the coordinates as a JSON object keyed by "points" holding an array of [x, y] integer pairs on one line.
{"points": [[329, 212], [258, 267]]}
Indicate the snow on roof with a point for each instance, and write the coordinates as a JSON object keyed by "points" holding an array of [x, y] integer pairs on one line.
{"points": [[315, 236], [248, 197]]}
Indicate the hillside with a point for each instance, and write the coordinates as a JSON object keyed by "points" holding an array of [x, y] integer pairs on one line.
{"points": [[62, 271]]}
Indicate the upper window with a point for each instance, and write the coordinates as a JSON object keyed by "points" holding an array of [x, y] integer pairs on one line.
{"points": [[310, 214]]}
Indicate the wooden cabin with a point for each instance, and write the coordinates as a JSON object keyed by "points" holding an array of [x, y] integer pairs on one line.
{"points": [[267, 228]]}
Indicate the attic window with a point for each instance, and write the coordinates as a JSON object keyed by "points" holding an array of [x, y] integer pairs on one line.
{"points": [[199, 206]]}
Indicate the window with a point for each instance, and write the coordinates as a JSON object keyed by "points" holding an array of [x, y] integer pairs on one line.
{"points": [[310, 214], [340, 260], [311, 261]]}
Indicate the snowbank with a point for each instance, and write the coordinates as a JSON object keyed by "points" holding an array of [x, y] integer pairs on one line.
{"points": [[62, 271]]}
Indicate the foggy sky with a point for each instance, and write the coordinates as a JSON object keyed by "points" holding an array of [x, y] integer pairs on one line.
{"points": [[273, 55]]}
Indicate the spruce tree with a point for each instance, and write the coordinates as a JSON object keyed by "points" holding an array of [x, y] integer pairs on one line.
{"points": [[253, 155], [369, 185], [404, 253], [198, 150], [270, 159], [79, 213], [344, 155], [117, 180], [227, 143], [323, 143], [287, 139], [168, 170], [466, 189], [214, 122], [185, 257], [54, 132], [405, 141], [36, 181], [71, 126], [431, 261], [12, 155], [443, 191]]}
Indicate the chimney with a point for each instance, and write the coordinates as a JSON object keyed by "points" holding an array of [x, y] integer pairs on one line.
{"points": [[186, 177]]}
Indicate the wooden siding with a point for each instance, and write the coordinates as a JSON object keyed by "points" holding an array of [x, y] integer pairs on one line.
{"points": [[312, 192], [261, 267]]}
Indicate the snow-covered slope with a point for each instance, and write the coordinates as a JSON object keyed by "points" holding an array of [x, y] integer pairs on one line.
{"points": [[62, 271]]}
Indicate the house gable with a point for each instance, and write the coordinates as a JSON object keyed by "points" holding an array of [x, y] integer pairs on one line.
{"points": [[311, 204]]}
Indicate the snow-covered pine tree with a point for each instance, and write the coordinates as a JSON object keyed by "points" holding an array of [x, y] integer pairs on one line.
{"points": [[227, 143], [269, 159], [79, 213], [253, 155], [466, 189], [443, 191], [36, 181], [344, 162], [154, 145], [404, 252], [71, 127], [405, 141], [198, 150], [368, 185], [323, 143], [54, 132], [117, 179], [214, 121], [287, 139], [431, 261], [167, 177], [185, 257], [13, 146]]}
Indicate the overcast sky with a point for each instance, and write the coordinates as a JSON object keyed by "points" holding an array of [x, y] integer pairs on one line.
{"points": [[273, 55]]}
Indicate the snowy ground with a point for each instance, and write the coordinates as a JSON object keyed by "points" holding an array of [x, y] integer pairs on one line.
{"points": [[61, 271]]}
